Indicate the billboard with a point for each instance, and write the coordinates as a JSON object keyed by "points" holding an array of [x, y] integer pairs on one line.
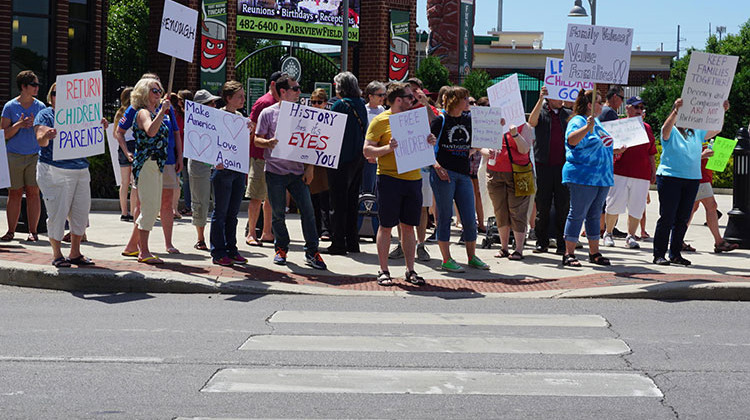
{"points": [[310, 19]]}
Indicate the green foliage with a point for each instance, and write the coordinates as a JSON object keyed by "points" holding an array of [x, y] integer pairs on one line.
{"points": [[127, 39], [477, 83], [247, 45], [659, 95], [433, 74]]}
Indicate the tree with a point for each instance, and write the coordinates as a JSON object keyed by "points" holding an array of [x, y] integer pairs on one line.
{"points": [[127, 40], [477, 83], [433, 74]]}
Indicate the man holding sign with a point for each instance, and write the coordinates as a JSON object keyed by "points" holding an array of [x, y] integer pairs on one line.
{"points": [[399, 195]]}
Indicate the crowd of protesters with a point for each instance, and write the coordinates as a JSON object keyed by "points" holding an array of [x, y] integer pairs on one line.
{"points": [[578, 179]]}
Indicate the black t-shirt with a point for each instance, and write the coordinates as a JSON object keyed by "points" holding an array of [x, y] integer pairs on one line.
{"points": [[454, 142]]}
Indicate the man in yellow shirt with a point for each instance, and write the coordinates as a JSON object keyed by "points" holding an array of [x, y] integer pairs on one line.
{"points": [[399, 195]]}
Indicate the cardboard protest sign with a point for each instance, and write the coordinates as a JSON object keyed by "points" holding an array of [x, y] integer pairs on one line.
{"points": [[707, 84], [178, 29], [411, 129], [559, 88], [723, 149], [506, 94], [78, 116], [4, 170], [309, 135], [597, 54], [626, 132], [214, 136], [114, 146], [486, 129]]}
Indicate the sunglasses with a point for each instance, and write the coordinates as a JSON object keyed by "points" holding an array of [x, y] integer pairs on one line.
{"points": [[296, 88], [472, 102], [34, 84], [621, 97], [156, 91], [53, 93], [639, 107], [316, 102]]}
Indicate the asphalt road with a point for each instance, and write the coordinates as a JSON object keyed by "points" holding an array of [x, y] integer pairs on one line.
{"points": [[129, 356]]}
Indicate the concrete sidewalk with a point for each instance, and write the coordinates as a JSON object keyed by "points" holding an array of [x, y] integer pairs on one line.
{"points": [[712, 276]]}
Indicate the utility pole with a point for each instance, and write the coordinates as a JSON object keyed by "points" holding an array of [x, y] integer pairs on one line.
{"points": [[678, 41], [721, 30], [345, 41], [499, 15]]}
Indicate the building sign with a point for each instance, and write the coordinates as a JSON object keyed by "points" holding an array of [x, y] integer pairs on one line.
{"points": [[466, 41], [300, 19], [398, 59], [213, 44]]}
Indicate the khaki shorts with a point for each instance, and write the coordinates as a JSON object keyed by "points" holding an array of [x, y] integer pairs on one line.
{"points": [[22, 170], [170, 178], [256, 180]]}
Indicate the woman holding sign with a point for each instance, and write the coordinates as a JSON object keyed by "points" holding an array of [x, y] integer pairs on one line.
{"points": [[449, 178], [677, 180]]}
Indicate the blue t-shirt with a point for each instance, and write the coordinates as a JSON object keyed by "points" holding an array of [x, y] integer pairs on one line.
{"points": [[47, 118], [590, 162], [680, 156], [24, 142], [170, 120]]}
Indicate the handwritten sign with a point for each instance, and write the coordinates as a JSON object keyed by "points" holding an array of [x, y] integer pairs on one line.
{"points": [[214, 136], [626, 132], [4, 170], [309, 135], [707, 84], [597, 54], [559, 88], [723, 149], [114, 146], [486, 129], [411, 129], [178, 29], [78, 116], [506, 95]]}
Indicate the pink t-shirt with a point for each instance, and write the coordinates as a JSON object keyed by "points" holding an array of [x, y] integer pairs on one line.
{"points": [[262, 103]]}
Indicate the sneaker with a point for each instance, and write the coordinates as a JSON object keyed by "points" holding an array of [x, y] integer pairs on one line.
{"points": [[224, 261], [315, 261], [280, 257], [532, 235], [631, 243], [238, 259], [475, 262], [126, 218], [433, 237], [608, 239], [396, 253], [422, 254], [452, 266], [617, 233]]}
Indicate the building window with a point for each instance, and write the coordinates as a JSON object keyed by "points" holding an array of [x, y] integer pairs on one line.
{"points": [[30, 46], [80, 42]]}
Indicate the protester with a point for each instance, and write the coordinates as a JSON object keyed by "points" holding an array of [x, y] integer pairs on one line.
{"points": [[200, 181], [319, 191], [284, 175], [550, 122], [66, 189], [125, 160], [615, 98], [375, 97], [345, 181], [23, 153], [677, 180], [635, 170], [588, 175], [399, 196], [182, 96]]}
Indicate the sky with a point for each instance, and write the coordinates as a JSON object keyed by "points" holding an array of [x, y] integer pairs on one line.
{"points": [[654, 21]]}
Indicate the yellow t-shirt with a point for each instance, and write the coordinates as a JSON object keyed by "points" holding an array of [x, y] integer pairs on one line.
{"points": [[379, 131]]}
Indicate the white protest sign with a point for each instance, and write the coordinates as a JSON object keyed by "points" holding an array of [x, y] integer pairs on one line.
{"points": [[78, 116], [214, 136], [559, 88], [411, 129], [4, 170], [486, 129], [309, 135], [597, 54], [707, 84], [178, 29], [114, 146], [626, 132], [506, 94]]}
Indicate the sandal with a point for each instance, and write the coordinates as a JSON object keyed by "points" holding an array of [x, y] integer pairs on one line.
{"points": [[503, 253], [413, 278], [61, 262], [516, 256], [384, 278], [725, 246], [570, 260], [7, 237], [598, 259], [172, 250], [687, 248], [129, 253], [33, 237], [81, 260], [254, 242], [201, 246], [152, 260]]}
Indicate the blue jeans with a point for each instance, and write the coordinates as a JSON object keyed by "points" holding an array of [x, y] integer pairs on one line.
{"points": [[277, 186], [676, 198], [461, 190], [229, 187], [586, 203]]}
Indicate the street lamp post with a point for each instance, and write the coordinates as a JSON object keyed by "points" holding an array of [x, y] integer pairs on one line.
{"points": [[579, 11]]}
